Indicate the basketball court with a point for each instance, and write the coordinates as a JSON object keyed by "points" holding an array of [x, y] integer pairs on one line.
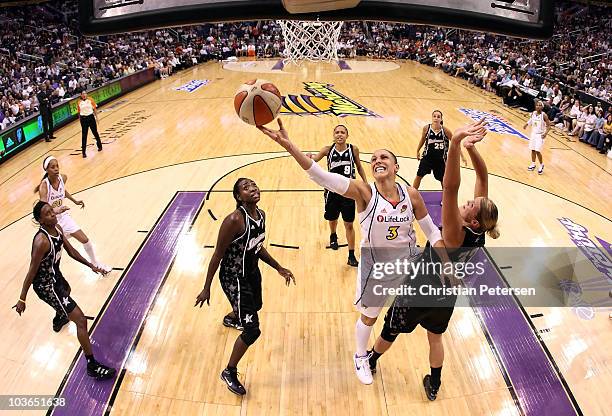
{"points": [[155, 198]]}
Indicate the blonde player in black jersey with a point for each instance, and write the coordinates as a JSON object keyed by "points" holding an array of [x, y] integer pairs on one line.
{"points": [[238, 250], [387, 211], [462, 227], [343, 159], [50, 285], [435, 138]]}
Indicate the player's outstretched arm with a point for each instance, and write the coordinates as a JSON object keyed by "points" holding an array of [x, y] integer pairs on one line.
{"points": [[451, 218], [349, 188], [40, 246], [270, 261], [481, 187], [358, 164], [422, 142], [322, 153], [232, 225]]}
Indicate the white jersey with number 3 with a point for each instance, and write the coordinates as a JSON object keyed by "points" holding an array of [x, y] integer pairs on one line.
{"points": [[384, 225], [387, 235]]}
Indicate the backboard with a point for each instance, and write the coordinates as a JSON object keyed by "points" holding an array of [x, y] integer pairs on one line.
{"points": [[522, 18]]}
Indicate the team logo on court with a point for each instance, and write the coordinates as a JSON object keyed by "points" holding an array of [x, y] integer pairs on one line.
{"points": [[324, 100], [597, 287], [495, 124], [193, 85]]}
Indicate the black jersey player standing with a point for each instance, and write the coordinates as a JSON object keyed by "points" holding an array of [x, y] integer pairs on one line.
{"points": [[343, 159], [435, 138], [238, 250], [50, 285]]}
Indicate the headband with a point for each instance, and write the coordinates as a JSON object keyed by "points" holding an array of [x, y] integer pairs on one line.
{"points": [[48, 160]]}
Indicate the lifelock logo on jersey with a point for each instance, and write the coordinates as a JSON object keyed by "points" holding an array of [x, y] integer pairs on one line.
{"points": [[391, 218]]}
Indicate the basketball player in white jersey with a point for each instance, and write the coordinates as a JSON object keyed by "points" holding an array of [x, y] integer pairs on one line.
{"points": [[343, 159], [386, 213], [52, 190], [540, 126]]}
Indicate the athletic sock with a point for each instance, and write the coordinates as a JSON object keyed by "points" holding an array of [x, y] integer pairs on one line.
{"points": [[362, 336], [351, 253], [88, 246], [436, 374], [90, 359], [375, 355]]}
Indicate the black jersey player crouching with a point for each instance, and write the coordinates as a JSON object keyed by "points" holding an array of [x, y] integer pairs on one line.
{"points": [[238, 250], [49, 283]]}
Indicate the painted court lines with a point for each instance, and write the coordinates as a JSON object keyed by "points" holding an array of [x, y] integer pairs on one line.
{"points": [[120, 323], [536, 384]]}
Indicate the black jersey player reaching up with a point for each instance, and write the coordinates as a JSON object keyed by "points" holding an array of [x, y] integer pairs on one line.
{"points": [[436, 138], [343, 159], [462, 227], [238, 250], [51, 286]]}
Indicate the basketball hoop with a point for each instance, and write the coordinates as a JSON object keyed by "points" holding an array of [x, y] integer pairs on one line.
{"points": [[312, 40]]}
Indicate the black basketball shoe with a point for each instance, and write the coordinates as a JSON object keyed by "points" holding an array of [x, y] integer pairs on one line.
{"points": [[100, 371], [232, 322], [59, 321], [352, 261], [333, 241], [430, 391], [230, 376]]}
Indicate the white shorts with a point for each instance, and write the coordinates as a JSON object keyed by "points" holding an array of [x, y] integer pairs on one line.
{"points": [[369, 311], [67, 223], [536, 142]]}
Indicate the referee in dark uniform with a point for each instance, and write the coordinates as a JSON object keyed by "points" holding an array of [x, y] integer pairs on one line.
{"points": [[44, 106]]}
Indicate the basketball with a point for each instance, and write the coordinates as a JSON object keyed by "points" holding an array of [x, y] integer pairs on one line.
{"points": [[257, 102]]}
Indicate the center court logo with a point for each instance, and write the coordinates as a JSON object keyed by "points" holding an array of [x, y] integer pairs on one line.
{"points": [[495, 123], [324, 100]]}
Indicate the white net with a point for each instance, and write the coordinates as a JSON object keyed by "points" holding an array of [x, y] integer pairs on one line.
{"points": [[311, 40]]}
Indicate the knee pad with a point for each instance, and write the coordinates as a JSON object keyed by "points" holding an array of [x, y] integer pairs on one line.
{"points": [[388, 335], [250, 335]]}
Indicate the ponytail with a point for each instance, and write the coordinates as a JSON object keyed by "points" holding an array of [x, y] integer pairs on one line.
{"points": [[487, 218], [37, 188]]}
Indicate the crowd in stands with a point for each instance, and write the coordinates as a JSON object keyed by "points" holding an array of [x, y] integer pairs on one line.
{"points": [[42, 45]]}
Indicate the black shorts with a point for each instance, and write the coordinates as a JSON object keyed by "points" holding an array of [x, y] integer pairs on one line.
{"points": [[57, 295], [244, 294], [427, 165], [336, 204], [406, 319]]}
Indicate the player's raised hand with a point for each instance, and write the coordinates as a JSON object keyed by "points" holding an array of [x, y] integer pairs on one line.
{"points": [[204, 296], [474, 129], [280, 136]]}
